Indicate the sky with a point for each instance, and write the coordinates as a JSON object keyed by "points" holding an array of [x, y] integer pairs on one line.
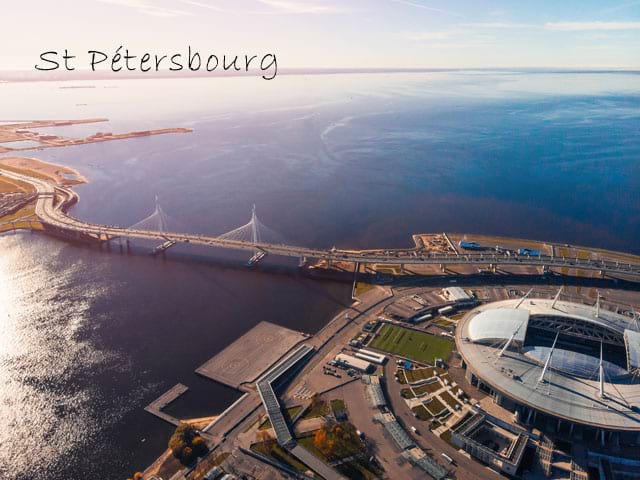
{"points": [[335, 33]]}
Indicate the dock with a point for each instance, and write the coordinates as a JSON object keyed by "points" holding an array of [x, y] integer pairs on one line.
{"points": [[165, 399]]}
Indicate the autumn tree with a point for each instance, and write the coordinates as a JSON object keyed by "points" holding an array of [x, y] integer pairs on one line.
{"points": [[186, 444]]}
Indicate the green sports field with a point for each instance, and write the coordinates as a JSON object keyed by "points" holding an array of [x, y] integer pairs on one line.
{"points": [[419, 346]]}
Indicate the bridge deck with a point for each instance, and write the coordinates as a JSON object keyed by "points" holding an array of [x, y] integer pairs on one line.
{"points": [[54, 215]]}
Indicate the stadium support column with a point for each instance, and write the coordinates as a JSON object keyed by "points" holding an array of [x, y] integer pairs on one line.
{"points": [[601, 375], [555, 299], [546, 364], [523, 298]]}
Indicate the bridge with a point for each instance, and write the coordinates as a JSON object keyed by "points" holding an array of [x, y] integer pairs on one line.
{"points": [[259, 240]]}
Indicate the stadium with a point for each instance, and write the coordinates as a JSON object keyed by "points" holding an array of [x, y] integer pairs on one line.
{"points": [[569, 369]]}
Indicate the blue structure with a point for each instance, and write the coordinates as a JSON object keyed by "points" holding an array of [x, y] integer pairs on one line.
{"points": [[469, 245]]}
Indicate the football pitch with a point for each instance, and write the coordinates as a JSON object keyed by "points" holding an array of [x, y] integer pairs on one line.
{"points": [[408, 343]]}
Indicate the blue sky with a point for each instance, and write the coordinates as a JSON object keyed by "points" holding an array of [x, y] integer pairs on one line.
{"points": [[337, 33]]}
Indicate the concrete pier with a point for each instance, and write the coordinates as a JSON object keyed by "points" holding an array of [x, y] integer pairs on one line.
{"points": [[165, 399]]}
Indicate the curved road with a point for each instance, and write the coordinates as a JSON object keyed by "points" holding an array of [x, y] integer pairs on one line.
{"points": [[53, 214]]}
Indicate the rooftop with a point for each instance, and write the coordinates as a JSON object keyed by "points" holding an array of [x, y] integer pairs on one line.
{"points": [[560, 394]]}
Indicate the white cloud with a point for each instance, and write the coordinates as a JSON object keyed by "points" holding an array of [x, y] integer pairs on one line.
{"points": [[147, 7], [290, 6], [505, 25], [422, 6], [208, 6], [581, 26], [425, 36]]}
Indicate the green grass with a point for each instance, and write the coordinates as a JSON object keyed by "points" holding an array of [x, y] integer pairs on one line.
{"points": [[363, 287], [288, 415], [428, 388], [317, 409], [412, 344], [273, 450], [406, 393], [422, 413], [307, 442], [360, 470], [435, 406], [338, 407], [345, 444], [450, 400], [443, 322], [446, 436]]}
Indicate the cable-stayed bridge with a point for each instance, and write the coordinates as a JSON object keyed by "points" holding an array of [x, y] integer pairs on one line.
{"points": [[260, 240], [253, 232]]}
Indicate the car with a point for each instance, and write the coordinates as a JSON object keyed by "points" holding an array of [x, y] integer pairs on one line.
{"points": [[447, 458]]}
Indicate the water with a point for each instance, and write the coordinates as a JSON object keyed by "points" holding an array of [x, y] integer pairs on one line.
{"points": [[88, 338]]}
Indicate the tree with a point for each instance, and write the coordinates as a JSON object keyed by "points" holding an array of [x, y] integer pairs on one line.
{"points": [[187, 455], [186, 443], [199, 446], [337, 441]]}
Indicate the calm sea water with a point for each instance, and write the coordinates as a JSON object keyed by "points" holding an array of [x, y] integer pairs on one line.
{"points": [[87, 338]]}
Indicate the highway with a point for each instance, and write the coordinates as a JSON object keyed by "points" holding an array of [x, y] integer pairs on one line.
{"points": [[53, 213]]}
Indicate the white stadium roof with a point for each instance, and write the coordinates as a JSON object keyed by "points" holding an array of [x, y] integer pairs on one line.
{"points": [[632, 342], [569, 390], [498, 324]]}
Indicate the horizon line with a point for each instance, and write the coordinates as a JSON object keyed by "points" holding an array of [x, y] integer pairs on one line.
{"points": [[23, 75]]}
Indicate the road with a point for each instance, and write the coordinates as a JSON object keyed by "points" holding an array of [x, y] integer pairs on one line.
{"points": [[53, 213]]}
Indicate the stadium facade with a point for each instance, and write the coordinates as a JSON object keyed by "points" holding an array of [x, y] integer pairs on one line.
{"points": [[564, 367]]}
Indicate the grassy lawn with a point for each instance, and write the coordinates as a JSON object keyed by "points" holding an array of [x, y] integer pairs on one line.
{"points": [[363, 287], [412, 344], [338, 407], [422, 413], [272, 450], [449, 400], [317, 409], [406, 393], [428, 388], [307, 442], [446, 436], [443, 322], [360, 470], [584, 255], [435, 406], [288, 415], [342, 439]]}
